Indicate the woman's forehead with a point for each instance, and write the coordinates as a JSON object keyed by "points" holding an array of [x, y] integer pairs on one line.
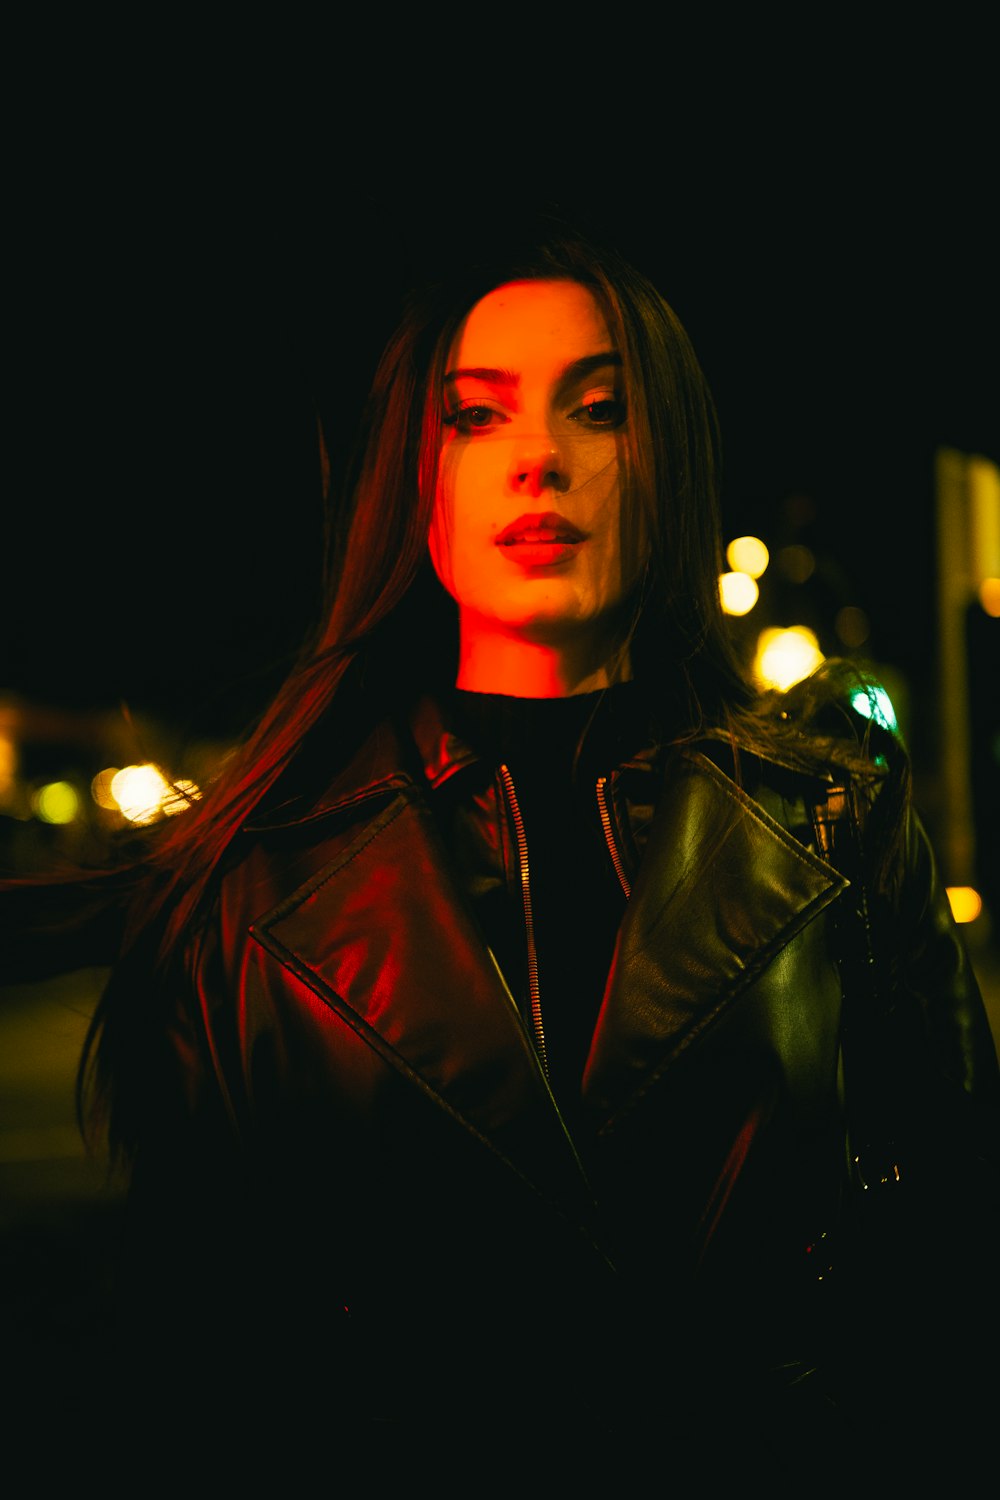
{"points": [[523, 326]]}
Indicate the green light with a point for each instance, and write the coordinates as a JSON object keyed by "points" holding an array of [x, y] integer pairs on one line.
{"points": [[875, 703], [56, 803]]}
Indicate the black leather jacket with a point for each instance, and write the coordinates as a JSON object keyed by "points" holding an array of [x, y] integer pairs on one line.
{"points": [[352, 1112]]}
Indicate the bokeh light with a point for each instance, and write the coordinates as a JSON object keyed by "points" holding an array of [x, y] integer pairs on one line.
{"points": [[143, 793], [796, 563], [852, 625], [989, 596], [56, 802], [138, 791], [100, 789], [178, 797], [8, 764], [747, 554], [738, 592], [966, 903], [785, 656]]}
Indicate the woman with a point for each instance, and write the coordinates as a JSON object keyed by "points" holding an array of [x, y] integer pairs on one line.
{"points": [[505, 1033]]}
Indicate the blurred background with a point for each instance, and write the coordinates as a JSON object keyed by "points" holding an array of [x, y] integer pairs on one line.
{"points": [[191, 311]]}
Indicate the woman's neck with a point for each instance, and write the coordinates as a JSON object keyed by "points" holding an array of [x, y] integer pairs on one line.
{"points": [[520, 668]]}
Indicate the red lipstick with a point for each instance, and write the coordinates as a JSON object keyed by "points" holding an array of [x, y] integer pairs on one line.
{"points": [[540, 540], [534, 529]]}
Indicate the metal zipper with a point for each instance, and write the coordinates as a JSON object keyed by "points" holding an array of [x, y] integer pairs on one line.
{"points": [[529, 921], [605, 812]]}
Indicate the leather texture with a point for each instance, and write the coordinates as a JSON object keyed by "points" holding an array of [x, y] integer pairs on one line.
{"points": [[355, 1126]]}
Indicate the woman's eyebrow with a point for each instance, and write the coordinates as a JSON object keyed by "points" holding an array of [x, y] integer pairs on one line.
{"points": [[485, 374], [590, 362], [575, 370]]}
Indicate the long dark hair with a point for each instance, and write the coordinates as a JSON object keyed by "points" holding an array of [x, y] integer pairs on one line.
{"points": [[388, 629]]}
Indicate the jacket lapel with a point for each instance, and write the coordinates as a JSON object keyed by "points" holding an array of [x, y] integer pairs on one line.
{"points": [[383, 935], [722, 888]]}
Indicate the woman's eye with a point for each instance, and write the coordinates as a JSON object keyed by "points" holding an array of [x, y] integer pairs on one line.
{"points": [[475, 418], [605, 411]]}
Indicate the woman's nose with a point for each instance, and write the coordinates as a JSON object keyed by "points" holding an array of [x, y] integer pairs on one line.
{"points": [[539, 465]]}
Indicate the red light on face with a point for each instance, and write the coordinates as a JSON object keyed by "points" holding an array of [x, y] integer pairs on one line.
{"points": [[534, 411]]}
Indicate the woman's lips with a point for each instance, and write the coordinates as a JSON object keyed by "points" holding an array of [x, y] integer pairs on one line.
{"points": [[539, 554], [549, 534]]}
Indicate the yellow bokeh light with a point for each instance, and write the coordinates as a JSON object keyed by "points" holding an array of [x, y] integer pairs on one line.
{"points": [[8, 763], [100, 789], [738, 592], [139, 791], [852, 625], [747, 554], [179, 796], [965, 903], [143, 793], [989, 596], [784, 657], [57, 802]]}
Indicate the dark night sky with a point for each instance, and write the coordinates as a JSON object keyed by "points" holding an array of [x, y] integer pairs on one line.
{"points": [[180, 337]]}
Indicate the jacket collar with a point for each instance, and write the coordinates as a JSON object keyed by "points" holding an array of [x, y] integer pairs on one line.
{"points": [[384, 762], [419, 748]]}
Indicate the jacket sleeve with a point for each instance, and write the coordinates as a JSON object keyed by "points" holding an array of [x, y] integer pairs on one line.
{"points": [[939, 1020], [918, 1243], [916, 1031], [220, 1276]]}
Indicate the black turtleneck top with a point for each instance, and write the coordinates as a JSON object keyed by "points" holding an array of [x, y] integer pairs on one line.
{"points": [[555, 749]]}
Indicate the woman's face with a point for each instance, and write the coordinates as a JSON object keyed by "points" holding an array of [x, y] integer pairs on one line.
{"points": [[526, 532]]}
